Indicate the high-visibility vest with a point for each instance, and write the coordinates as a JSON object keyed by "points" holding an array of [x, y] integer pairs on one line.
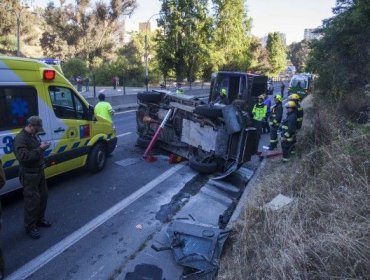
{"points": [[259, 111]]}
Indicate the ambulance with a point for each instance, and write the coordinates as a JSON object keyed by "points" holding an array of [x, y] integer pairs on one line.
{"points": [[78, 138]]}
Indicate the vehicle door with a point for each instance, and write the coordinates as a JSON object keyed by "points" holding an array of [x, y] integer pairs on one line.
{"points": [[69, 126]]}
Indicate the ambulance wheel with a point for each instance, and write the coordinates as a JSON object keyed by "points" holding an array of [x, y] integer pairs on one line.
{"points": [[152, 97], [202, 167], [208, 111], [97, 158]]}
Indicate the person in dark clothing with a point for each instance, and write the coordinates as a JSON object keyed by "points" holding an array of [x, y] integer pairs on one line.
{"points": [[282, 87], [2, 183], [295, 97], [29, 152], [289, 127], [275, 120], [265, 123]]}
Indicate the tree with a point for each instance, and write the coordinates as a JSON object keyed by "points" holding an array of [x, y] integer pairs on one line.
{"points": [[74, 67], [341, 56], [260, 62], [231, 41], [277, 53], [298, 54], [83, 31], [184, 45]]}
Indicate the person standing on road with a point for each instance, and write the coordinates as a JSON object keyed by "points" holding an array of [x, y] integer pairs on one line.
{"points": [[87, 84], [289, 126], [103, 108], [114, 82], [282, 87], [29, 152], [2, 183], [275, 120], [259, 114], [265, 125]]}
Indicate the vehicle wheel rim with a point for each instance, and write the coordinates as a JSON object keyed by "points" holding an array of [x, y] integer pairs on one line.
{"points": [[101, 159]]}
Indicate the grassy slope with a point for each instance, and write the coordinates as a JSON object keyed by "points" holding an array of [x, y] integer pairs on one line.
{"points": [[325, 232]]}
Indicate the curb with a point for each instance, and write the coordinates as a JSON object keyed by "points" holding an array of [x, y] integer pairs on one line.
{"points": [[245, 198]]}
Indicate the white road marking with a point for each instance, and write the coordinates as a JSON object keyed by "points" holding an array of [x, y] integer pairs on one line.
{"points": [[124, 134], [54, 251], [129, 111]]}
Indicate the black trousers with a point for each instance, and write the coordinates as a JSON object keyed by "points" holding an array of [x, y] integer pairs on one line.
{"points": [[35, 193], [273, 136], [286, 146]]}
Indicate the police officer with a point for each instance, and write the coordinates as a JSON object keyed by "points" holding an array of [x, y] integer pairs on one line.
{"points": [[29, 151], [289, 127], [2, 183], [259, 112], [275, 120]]}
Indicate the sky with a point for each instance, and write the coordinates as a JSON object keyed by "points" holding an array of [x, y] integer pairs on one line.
{"points": [[287, 16]]}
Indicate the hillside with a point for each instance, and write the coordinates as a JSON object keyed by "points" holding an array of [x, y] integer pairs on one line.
{"points": [[325, 232]]}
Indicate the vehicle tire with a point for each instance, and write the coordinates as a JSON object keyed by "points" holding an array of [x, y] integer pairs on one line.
{"points": [[208, 111], [152, 97], [202, 167], [97, 158]]}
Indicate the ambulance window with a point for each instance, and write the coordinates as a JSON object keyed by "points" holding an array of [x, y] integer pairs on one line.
{"points": [[17, 103], [66, 104]]}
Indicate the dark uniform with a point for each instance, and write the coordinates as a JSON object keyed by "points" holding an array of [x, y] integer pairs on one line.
{"points": [[2, 183], [31, 175], [299, 115], [274, 122], [289, 127]]}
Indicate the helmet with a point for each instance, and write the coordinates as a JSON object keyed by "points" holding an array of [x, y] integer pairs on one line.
{"points": [[294, 97], [290, 104], [278, 98], [223, 92], [262, 96]]}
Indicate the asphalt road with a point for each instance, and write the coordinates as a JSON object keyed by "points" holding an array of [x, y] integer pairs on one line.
{"points": [[100, 221]]}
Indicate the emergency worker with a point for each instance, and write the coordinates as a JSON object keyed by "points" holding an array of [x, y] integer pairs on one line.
{"points": [[103, 108], [289, 127], [295, 97], [299, 110], [275, 120], [2, 183], [259, 112], [222, 98], [29, 151]]}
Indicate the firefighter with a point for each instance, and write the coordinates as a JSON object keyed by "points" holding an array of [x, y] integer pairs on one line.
{"points": [[295, 97], [259, 112], [29, 152], [222, 98], [299, 110], [289, 127], [275, 120]]}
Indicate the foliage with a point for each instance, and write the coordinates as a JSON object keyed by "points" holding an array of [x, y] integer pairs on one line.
{"points": [[83, 31], [277, 53], [341, 57], [184, 46], [260, 62], [74, 67], [231, 41], [298, 54]]}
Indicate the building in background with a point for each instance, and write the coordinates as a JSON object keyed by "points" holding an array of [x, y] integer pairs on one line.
{"points": [[310, 34]]}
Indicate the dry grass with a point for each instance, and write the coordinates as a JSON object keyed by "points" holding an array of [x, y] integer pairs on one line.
{"points": [[325, 232]]}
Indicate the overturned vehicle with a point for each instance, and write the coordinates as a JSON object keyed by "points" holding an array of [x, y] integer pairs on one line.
{"points": [[214, 137]]}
